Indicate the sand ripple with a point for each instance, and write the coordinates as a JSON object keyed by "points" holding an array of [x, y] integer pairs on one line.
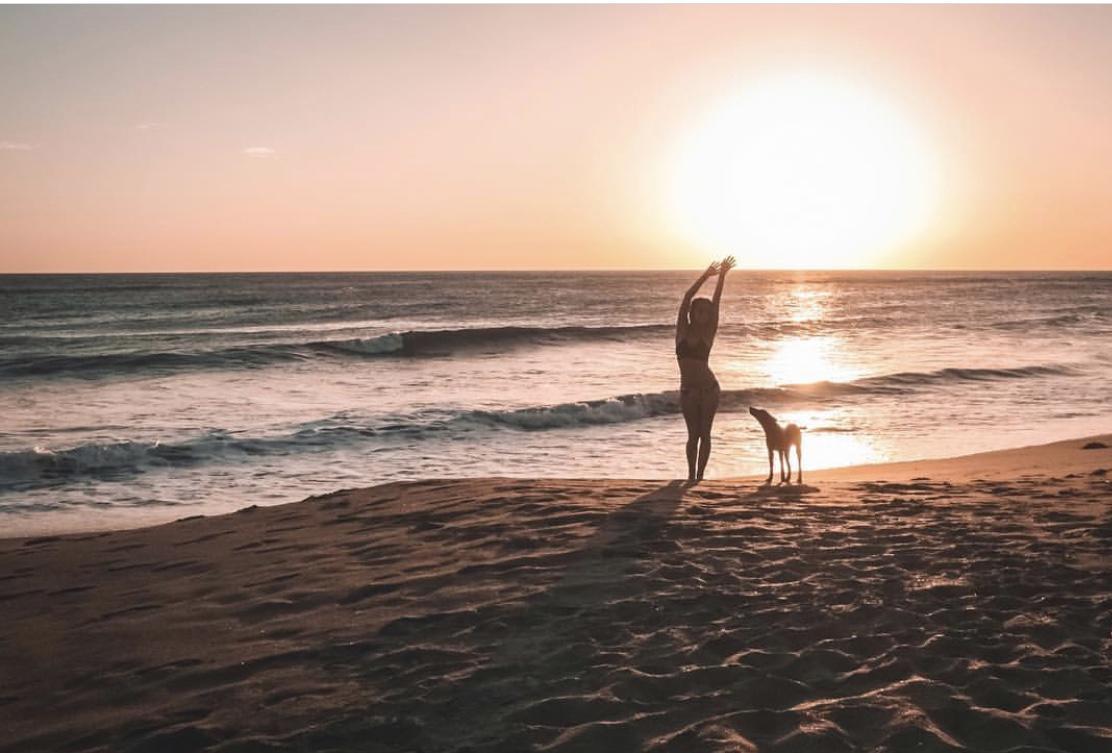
{"points": [[578, 616]]}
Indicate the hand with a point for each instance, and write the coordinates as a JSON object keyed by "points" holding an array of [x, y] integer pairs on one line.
{"points": [[726, 265], [712, 270]]}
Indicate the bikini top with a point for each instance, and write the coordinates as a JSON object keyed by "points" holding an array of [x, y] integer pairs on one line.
{"points": [[699, 350]]}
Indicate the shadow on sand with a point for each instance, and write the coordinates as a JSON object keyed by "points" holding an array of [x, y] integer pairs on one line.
{"points": [[601, 640]]}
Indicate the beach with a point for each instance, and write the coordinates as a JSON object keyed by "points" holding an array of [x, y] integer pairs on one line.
{"points": [[361, 368], [942, 605]]}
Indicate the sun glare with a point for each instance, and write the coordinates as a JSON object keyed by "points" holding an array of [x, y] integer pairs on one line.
{"points": [[803, 170], [804, 360]]}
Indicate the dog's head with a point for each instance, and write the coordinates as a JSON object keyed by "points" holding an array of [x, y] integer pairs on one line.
{"points": [[764, 417]]}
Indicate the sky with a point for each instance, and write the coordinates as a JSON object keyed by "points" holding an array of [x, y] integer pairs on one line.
{"points": [[290, 138]]}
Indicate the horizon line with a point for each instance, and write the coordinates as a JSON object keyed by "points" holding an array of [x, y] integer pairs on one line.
{"points": [[539, 270]]}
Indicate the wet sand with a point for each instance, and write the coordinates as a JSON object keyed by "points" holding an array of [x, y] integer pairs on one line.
{"points": [[961, 604]]}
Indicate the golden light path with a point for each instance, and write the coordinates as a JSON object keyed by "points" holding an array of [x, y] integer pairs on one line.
{"points": [[806, 360], [803, 360], [803, 170]]}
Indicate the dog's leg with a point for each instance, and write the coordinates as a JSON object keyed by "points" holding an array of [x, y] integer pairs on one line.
{"points": [[781, 452], [788, 458], [769, 479], [799, 461]]}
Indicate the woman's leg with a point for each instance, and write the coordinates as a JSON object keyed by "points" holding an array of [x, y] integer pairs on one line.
{"points": [[689, 404], [709, 406]]}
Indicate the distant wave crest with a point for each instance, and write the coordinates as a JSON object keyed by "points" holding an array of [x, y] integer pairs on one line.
{"points": [[413, 343]]}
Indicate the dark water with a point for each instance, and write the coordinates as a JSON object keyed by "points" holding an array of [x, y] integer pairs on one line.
{"points": [[144, 392]]}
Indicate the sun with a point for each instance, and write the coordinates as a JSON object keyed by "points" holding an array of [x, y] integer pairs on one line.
{"points": [[804, 170]]}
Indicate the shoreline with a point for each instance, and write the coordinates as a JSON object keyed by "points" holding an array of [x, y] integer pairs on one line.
{"points": [[1058, 457], [1049, 457], [943, 605]]}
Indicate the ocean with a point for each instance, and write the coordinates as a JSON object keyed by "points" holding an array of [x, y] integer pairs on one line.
{"points": [[161, 396]]}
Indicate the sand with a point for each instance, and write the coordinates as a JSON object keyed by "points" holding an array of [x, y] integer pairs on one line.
{"points": [[936, 606]]}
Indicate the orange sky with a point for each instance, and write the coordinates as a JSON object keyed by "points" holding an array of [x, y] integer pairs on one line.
{"points": [[502, 137]]}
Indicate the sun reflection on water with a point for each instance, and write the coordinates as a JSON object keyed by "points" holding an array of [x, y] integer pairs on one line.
{"points": [[830, 440], [806, 304], [834, 436], [803, 360], [836, 449]]}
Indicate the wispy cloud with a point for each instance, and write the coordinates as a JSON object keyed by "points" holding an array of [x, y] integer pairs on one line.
{"points": [[259, 151], [15, 146]]}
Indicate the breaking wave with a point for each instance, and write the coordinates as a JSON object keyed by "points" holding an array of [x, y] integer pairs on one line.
{"points": [[24, 469]]}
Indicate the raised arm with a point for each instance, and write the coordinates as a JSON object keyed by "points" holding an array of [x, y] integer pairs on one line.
{"points": [[681, 318], [726, 265]]}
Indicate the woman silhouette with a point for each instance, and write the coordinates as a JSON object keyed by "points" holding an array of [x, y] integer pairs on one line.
{"points": [[696, 327]]}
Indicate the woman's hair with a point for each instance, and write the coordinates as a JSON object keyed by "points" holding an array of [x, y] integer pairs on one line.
{"points": [[697, 305]]}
